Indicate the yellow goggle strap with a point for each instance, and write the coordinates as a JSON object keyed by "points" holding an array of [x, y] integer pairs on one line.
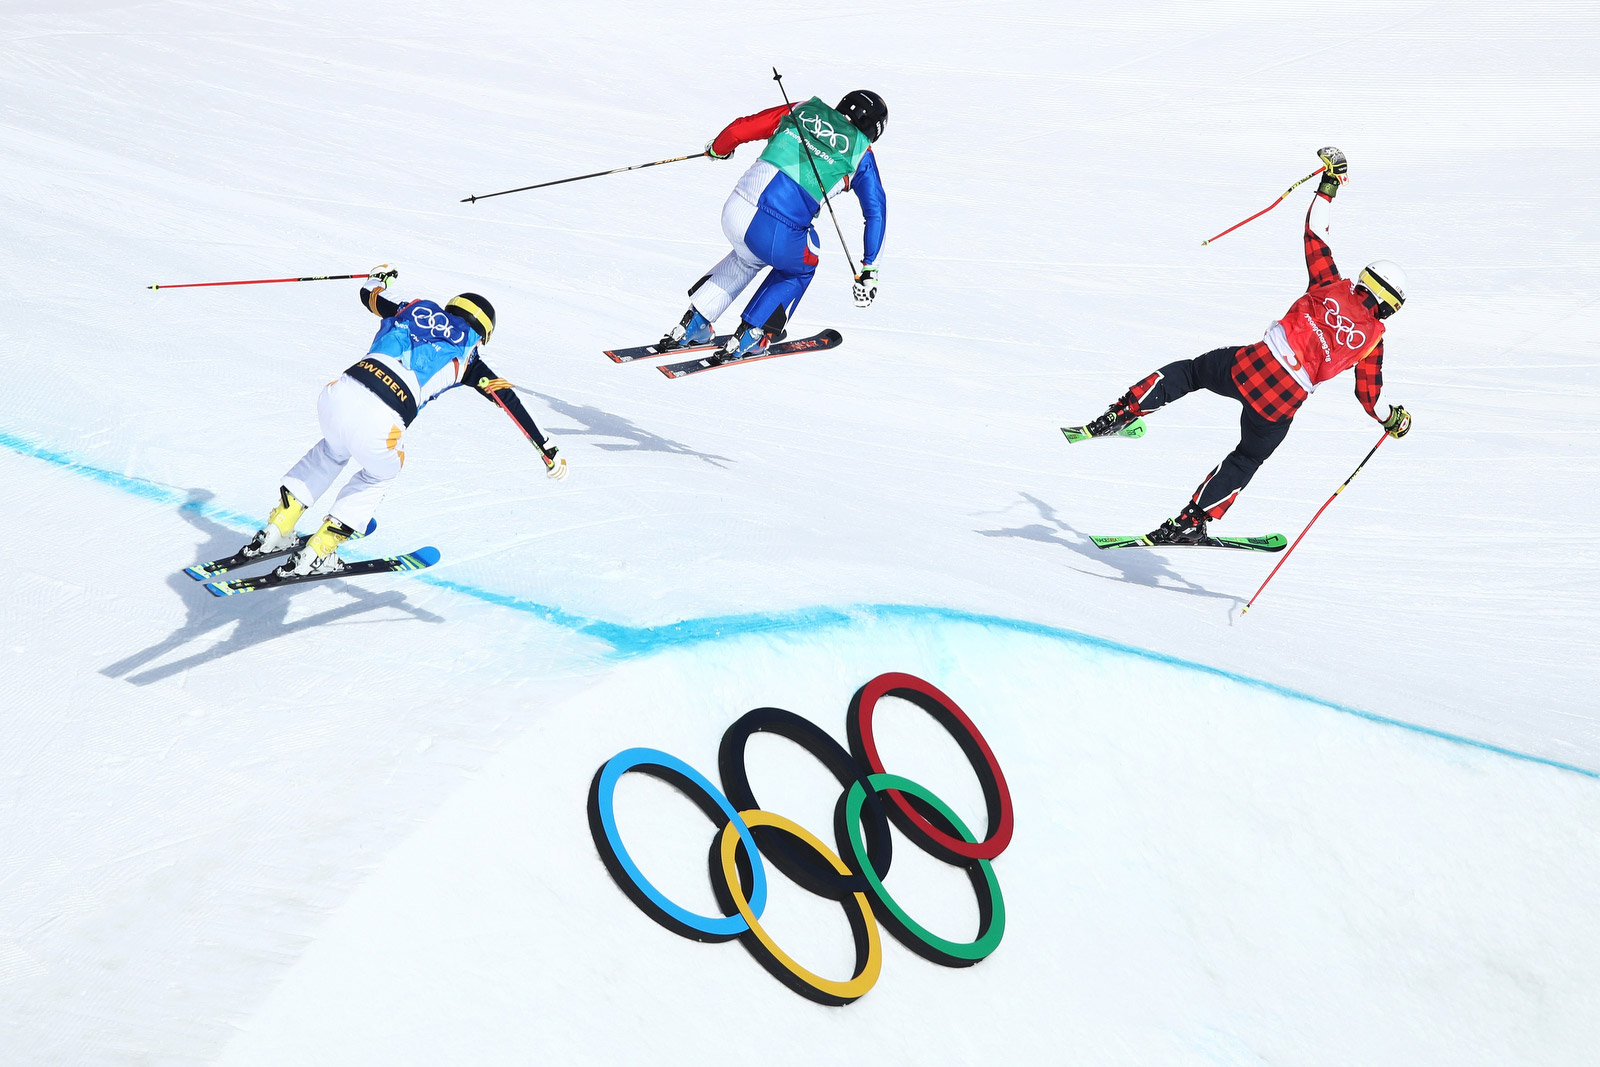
{"points": [[1379, 290], [479, 319]]}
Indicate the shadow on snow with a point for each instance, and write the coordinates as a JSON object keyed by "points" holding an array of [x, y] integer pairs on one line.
{"points": [[1137, 566], [597, 423], [259, 617]]}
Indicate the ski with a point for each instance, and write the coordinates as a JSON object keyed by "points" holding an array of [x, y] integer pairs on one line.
{"points": [[825, 339], [201, 571], [1074, 434], [411, 561], [1265, 543], [628, 355]]}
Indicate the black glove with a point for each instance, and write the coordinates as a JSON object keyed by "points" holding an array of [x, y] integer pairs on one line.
{"points": [[1335, 171], [1399, 421], [381, 275]]}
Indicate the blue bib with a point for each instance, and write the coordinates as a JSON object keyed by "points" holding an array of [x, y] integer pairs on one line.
{"points": [[422, 337]]}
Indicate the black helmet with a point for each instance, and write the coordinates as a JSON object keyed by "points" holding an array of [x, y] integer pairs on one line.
{"points": [[478, 312], [866, 111]]}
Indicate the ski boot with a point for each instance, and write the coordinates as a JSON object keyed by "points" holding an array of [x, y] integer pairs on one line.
{"points": [[317, 555], [747, 340], [693, 329], [278, 533], [1188, 527], [1118, 417]]}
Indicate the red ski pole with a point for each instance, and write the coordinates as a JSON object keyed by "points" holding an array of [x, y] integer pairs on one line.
{"points": [[1269, 207], [264, 281], [1317, 516]]}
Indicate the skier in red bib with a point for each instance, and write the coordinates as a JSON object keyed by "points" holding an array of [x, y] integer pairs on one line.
{"points": [[1338, 323]]}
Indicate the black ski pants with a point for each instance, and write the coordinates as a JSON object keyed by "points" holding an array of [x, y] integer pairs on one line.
{"points": [[1258, 437]]}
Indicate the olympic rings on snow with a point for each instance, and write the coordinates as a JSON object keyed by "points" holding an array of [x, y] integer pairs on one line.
{"points": [[855, 874]]}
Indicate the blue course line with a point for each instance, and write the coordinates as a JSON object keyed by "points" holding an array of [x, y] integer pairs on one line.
{"points": [[140, 487], [629, 642]]}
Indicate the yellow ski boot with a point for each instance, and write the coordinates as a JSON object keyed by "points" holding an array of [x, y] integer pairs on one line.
{"points": [[278, 533], [318, 555]]}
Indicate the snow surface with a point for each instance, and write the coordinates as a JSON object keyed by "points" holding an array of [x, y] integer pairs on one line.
{"points": [[347, 825]]}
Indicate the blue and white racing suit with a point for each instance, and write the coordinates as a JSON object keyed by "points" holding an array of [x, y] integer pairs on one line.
{"points": [[768, 221]]}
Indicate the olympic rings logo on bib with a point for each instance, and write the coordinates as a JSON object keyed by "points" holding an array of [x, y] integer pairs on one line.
{"points": [[1344, 329], [429, 320], [855, 874], [823, 130]]}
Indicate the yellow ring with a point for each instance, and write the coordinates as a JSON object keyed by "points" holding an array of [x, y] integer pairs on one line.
{"points": [[834, 992]]}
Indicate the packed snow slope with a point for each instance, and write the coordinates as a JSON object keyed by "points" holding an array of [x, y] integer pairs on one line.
{"points": [[214, 806], [1050, 175]]}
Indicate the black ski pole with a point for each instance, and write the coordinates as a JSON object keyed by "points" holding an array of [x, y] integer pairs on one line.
{"points": [[854, 273], [582, 177], [263, 281]]}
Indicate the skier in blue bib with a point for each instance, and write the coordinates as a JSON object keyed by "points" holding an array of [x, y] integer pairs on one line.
{"points": [[813, 152], [420, 350]]}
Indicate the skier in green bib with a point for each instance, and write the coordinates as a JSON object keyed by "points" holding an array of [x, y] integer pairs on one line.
{"points": [[813, 152]]}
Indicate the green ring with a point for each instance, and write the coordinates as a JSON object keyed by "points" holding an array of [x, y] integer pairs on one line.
{"points": [[951, 953]]}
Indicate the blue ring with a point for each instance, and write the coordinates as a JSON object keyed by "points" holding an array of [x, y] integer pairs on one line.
{"points": [[721, 926]]}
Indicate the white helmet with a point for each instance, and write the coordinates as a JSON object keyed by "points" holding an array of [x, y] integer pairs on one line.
{"points": [[1387, 282]]}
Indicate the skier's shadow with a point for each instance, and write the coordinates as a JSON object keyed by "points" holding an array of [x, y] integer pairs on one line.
{"points": [[1137, 566], [597, 423], [259, 618]]}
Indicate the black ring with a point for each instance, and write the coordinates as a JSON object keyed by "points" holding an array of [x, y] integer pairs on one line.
{"points": [[807, 869]]}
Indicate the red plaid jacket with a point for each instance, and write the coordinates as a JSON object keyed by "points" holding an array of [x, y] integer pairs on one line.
{"points": [[1264, 382]]}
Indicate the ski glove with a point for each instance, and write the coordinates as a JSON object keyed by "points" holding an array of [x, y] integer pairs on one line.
{"points": [[712, 151], [555, 466], [381, 275], [1398, 424], [1335, 171], [865, 289]]}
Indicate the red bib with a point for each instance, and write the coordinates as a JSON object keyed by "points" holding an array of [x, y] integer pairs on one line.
{"points": [[1331, 329]]}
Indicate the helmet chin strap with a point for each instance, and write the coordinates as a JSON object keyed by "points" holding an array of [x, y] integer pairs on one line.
{"points": [[1378, 307]]}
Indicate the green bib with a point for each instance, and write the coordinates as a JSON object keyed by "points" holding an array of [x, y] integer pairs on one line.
{"points": [[836, 147]]}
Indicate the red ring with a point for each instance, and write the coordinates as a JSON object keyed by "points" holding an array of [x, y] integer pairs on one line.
{"points": [[996, 794]]}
